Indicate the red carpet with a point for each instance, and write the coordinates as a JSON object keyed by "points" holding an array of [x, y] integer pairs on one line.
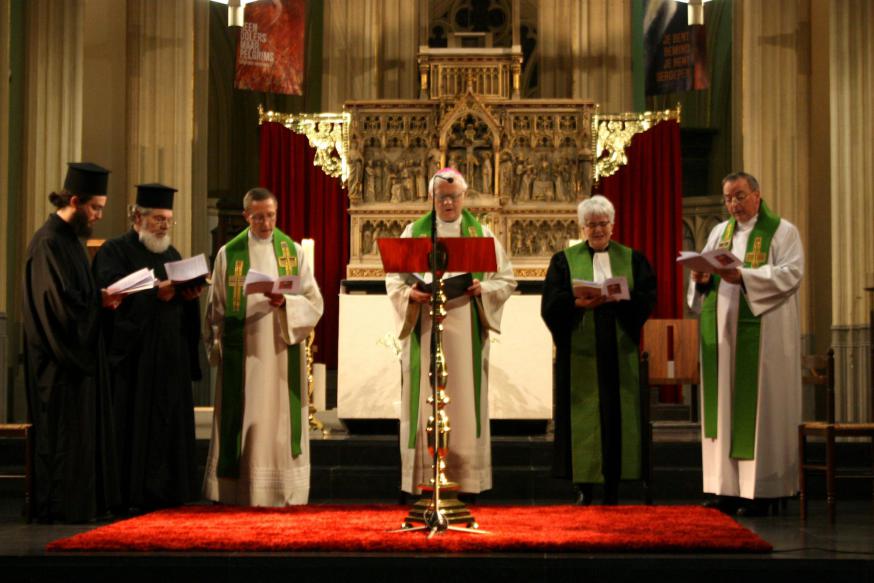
{"points": [[362, 528]]}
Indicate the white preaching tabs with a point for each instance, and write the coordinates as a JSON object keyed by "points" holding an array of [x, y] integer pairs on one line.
{"points": [[137, 281], [261, 283], [614, 288], [186, 270], [709, 261]]}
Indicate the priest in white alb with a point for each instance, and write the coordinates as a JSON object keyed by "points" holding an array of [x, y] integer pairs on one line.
{"points": [[750, 355], [259, 453], [470, 319]]}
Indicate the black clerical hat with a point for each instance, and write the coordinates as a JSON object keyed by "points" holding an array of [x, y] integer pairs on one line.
{"points": [[86, 178], [155, 196]]}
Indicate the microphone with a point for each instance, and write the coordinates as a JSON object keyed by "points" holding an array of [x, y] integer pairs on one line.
{"points": [[449, 179]]}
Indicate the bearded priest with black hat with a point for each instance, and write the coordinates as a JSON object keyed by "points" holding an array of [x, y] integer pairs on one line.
{"points": [[152, 341], [74, 472]]}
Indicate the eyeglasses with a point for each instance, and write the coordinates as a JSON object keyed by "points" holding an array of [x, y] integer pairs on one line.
{"points": [[602, 224], [263, 218], [163, 222], [739, 197], [444, 198]]}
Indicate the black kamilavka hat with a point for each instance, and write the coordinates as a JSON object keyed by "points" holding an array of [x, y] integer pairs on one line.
{"points": [[155, 196], [86, 178]]}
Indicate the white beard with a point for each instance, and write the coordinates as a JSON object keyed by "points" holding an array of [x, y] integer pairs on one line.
{"points": [[154, 243]]}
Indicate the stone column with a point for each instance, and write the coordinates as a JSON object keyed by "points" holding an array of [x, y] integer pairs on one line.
{"points": [[53, 102], [5, 22], [161, 57], [584, 49], [772, 109], [370, 51], [851, 65]]}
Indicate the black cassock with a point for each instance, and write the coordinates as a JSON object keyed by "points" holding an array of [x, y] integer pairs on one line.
{"points": [[562, 317], [75, 477], [153, 355]]}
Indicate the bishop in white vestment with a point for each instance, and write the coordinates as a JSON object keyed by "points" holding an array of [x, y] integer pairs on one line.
{"points": [[751, 354], [470, 319], [259, 452]]}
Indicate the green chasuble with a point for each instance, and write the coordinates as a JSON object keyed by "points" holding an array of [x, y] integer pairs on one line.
{"points": [[747, 344], [586, 449], [470, 227], [233, 352]]}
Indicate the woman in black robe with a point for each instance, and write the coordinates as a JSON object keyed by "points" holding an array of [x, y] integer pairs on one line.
{"points": [[564, 315]]}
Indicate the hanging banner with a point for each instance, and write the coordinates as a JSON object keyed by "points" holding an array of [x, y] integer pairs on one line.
{"points": [[270, 52], [675, 52]]}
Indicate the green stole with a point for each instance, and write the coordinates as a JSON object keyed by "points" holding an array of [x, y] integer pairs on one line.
{"points": [[233, 352], [747, 344], [584, 393], [470, 227]]}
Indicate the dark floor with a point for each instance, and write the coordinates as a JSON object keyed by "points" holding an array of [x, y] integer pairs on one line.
{"points": [[355, 468]]}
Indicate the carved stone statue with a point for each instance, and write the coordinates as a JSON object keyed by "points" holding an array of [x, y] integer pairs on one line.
{"points": [[506, 174], [486, 166], [356, 165]]}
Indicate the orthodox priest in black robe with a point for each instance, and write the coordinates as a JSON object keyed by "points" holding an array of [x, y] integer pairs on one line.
{"points": [[74, 473], [596, 396], [152, 342]]}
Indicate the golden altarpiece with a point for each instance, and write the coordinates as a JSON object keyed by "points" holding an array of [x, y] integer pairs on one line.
{"points": [[527, 162]]}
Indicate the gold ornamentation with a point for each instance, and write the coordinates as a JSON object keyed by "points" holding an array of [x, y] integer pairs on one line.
{"points": [[364, 272], [756, 257], [287, 261], [613, 134], [236, 282], [328, 133], [311, 383], [529, 273]]}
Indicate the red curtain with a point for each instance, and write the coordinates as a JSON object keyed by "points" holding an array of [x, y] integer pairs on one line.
{"points": [[648, 196], [312, 205]]}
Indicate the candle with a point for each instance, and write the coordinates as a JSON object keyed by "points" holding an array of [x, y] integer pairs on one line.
{"points": [[309, 251], [319, 373]]}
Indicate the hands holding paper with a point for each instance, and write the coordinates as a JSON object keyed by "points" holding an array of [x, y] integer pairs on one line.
{"points": [[419, 296], [109, 300], [732, 275], [590, 302], [276, 300]]}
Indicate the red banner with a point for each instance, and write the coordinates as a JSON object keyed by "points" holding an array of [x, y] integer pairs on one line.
{"points": [[270, 51]]}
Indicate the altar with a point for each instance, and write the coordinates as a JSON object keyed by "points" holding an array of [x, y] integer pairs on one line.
{"points": [[369, 365]]}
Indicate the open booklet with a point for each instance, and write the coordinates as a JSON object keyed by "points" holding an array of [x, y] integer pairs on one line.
{"points": [[261, 283], [188, 272], [137, 281], [453, 287], [615, 288], [709, 261]]}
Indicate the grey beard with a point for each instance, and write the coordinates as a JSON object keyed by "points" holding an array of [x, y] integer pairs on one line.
{"points": [[153, 243]]}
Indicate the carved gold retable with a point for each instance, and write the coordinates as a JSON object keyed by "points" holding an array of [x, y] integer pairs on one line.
{"points": [[527, 162]]}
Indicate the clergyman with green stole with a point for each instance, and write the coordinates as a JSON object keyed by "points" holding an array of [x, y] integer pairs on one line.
{"points": [[259, 452], [470, 319], [750, 354], [596, 394]]}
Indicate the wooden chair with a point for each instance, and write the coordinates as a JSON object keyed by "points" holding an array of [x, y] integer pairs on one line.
{"points": [[22, 431], [669, 356], [819, 371]]}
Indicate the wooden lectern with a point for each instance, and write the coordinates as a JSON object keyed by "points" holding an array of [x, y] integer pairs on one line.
{"points": [[669, 356]]}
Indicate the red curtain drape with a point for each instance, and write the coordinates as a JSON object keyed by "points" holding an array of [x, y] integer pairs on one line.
{"points": [[311, 205], [648, 196]]}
